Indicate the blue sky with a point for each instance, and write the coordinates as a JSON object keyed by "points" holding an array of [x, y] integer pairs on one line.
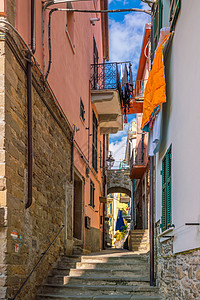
{"points": [[126, 31]]}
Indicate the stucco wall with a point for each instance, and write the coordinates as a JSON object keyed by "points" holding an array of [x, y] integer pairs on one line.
{"points": [[181, 123]]}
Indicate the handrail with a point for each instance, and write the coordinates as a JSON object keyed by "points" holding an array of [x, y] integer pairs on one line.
{"points": [[42, 256]]}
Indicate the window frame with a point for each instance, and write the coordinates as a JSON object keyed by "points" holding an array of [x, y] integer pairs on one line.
{"points": [[167, 190], [92, 189], [82, 110]]}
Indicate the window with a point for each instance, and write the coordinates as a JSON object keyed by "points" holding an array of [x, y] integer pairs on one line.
{"points": [[82, 111], [175, 6], [94, 141], [70, 25], [166, 189], [92, 188], [157, 22]]}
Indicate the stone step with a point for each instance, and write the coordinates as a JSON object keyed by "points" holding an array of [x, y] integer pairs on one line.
{"points": [[102, 297], [139, 231], [112, 265], [137, 271], [107, 272], [89, 280], [94, 290], [62, 279], [122, 259]]}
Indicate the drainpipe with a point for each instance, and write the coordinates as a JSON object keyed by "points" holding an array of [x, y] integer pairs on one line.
{"points": [[29, 106], [104, 187], [152, 281]]}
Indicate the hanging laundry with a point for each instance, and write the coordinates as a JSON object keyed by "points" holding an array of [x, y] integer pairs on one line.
{"points": [[130, 82], [154, 94]]}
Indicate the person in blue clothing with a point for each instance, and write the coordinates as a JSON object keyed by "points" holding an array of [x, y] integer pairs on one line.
{"points": [[120, 221]]}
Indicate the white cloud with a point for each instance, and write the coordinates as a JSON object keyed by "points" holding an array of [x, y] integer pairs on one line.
{"points": [[118, 149], [126, 37], [118, 143]]}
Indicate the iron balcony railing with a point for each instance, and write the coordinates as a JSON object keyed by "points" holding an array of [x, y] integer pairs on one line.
{"points": [[109, 76], [105, 76], [139, 157]]}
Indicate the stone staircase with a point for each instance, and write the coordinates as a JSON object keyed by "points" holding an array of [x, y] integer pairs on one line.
{"points": [[139, 240], [113, 274]]}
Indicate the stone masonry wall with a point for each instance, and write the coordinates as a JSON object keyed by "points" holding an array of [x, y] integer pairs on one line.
{"points": [[178, 275], [26, 233], [3, 200], [119, 181]]}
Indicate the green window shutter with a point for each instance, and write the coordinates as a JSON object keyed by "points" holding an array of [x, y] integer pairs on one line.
{"points": [[166, 190], [169, 204], [163, 225]]}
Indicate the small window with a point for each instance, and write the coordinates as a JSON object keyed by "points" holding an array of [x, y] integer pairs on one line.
{"points": [[92, 188], [166, 189], [157, 22], [94, 141], [70, 25], [175, 6], [101, 220], [82, 111]]}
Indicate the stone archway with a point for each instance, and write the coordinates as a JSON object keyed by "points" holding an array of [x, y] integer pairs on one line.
{"points": [[119, 189], [118, 181]]}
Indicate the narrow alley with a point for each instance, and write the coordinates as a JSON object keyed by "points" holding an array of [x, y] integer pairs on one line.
{"points": [[99, 149]]}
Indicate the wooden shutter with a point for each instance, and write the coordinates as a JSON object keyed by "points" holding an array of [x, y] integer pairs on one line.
{"points": [[166, 190]]}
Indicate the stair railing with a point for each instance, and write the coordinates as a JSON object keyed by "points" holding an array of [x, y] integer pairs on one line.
{"points": [[40, 259]]}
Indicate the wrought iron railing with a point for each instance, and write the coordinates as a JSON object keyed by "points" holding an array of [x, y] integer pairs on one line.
{"points": [[139, 157], [109, 76], [40, 259], [105, 76]]}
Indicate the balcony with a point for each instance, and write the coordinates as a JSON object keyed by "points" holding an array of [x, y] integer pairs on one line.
{"points": [[105, 87], [138, 162]]}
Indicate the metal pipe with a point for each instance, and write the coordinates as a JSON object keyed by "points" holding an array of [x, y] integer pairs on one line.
{"points": [[33, 26], [151, 222], [152, 281], [106, 11], [72, 154], [29, 107], [30, 131], [104, 187], [49, 42]]}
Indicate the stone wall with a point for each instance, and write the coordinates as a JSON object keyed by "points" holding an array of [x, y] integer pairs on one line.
{"points": [[178, 275], [26, 233], [118, 181], [92, 239]]}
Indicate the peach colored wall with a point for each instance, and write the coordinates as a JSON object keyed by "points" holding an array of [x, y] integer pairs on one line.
{"points": [[69, 77]]}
